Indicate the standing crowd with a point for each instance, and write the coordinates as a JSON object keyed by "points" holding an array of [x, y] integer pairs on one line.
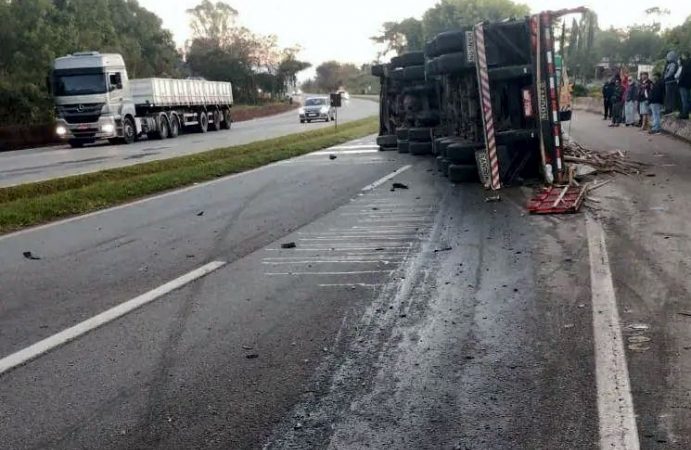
{"points": [[641, 103]]}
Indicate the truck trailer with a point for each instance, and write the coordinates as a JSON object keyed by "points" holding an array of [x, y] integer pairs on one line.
{"points": [[96, 100]]}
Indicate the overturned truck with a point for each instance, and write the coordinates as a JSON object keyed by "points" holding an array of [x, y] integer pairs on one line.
{"points": [[487, 106]]}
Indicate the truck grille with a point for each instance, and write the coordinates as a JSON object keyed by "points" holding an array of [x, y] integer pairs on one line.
{"points": [[84, 113]]}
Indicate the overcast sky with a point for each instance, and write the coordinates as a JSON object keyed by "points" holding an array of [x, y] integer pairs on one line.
{"points": [[340, 30]]}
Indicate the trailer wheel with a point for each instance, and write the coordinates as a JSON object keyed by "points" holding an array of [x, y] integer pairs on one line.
{"points": [[403, 146], [412, 59], [378, 70], [463, 173], [216, 125], [402, 134], [174, 126], [420, 148], [129, 131], [203, 119], [449, 42], [420, 134], [227, 120], [163, 128], [462, 153], [413, 73], [451, 63], [387, 141]]}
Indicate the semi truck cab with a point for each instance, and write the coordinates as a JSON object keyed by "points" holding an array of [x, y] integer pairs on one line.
{"points": [[92, 99]]}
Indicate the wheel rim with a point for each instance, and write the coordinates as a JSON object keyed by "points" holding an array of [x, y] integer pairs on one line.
{"points": [[129, 130]]}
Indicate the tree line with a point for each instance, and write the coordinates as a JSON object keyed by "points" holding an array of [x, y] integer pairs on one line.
{"points": [[35, 32], [332, 75], [584, 43]]}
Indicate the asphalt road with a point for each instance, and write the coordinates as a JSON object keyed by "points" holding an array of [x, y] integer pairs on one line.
{"points": [[23, 166], [409, 318]]}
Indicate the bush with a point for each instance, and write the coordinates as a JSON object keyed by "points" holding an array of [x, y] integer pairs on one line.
{"points": [[580, 90]]}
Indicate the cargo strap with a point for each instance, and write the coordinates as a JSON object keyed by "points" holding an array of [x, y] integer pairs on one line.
{"points": [[486, 102]]}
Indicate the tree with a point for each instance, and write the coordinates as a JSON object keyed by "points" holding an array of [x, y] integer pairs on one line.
{"points": [[333, 75], [213, 21], [452, 14], [401, 36], [679, 38]]}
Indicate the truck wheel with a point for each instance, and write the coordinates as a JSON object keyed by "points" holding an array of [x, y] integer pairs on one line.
{"points": [[174, 127], [450, 63], [227, 120], [387, 141], [445, 163], [412, 59], [378, 70], [403, 146], [129, 131], [402, 134], [462, 153], [216, 125], [420, 148], [463, 173], [449, 42], [413, 73], [420, 134], [163, 128], [203, 119]]}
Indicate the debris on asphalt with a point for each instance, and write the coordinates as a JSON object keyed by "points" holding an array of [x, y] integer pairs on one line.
{"points": [[289, 245], [252, 356], [200, 213], [380, 249], [246, 347], [687, 314], [495, 198], [615, 161], [446, 249], [31, 256], [398, 186], [332, 157]]}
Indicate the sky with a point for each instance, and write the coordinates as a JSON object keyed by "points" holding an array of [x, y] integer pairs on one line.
{"points": [[340, 30]]}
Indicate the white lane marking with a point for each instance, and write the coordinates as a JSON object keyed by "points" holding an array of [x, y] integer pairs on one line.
{"points": [[371, 261], [355, 147], [65, 336], [614, 400], [344, 152], [338, 249], [364, 238], [351, 285], [359, 272], [383, 180]]}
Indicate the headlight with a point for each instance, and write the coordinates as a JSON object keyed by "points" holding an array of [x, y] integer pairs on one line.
{"points": [[324, 110], [108, 128], [301, 111], [61, 131]]}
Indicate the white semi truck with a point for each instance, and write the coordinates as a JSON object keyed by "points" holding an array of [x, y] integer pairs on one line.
{"points": [[95, 100]]}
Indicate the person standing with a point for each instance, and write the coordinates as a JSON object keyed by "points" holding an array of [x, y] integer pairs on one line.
{"points": [[644, 88], [671, 87], [631, 98], [684, 83], [657, 99], [606, 94], [617, 100]]}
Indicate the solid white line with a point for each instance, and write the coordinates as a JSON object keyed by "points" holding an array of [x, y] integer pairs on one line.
{"points": [[372, 261], [338, 249], [65, 336], [353, 147], [343, 152], [614, 400], [360, 272], [383, 180]]}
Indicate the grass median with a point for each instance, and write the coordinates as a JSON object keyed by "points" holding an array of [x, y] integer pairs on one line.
{"points": [[36, 203]]}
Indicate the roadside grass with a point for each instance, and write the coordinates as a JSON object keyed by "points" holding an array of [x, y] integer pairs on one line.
{"points": [[41, 202]]}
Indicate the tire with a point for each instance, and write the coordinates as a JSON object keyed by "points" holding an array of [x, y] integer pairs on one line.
{"points": [[163, 128], [174, 127], [227, 120], [420, 148], [431, 48], [398, 73], [463, 173], [216, 125], [420, 134], [412, 59], [509, 73], [396, 62], [414, 73], [445, 163], [449, 42], [443, 145], [451, 63], [403, 147], [129, 131], [302, 121], [432, 68], [402, 134], [387, 140], [203, 119], [75, 143], [462, 153], [378, 70]]}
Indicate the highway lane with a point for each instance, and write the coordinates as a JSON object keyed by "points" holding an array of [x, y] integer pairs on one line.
{"points": [[37, 164], [415, 318]]}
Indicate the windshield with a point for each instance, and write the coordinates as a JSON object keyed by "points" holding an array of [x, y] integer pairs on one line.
{"points": [[77, 84], [315, 102]]}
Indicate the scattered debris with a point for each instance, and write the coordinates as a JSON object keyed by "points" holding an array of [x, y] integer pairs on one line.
{"points": [[252, 356], [445, 249], [298, 426], [380, 249], [496, 198], [200, 213], [687, 314], [398, 186], [558, 200], [31, 256], [602, 162], [289, 245], [332, 157], [246, 347]]}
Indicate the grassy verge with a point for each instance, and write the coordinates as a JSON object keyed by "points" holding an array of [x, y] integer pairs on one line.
{"points": [[35, 203]]}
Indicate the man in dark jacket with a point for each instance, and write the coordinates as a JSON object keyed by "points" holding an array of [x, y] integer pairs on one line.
{"points": [[606, 94], [671, 87], [685, 85], [617, 100], [657, 99], [644, 92]]}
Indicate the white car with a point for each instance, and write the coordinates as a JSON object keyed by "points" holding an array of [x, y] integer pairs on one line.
{"points": [[317, 108]]}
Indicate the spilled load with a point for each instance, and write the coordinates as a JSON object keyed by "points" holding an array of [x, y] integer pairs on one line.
{"points": [[491, 102]]}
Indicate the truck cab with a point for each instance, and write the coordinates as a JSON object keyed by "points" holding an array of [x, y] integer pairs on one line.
{"points": [[92, 99]]}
